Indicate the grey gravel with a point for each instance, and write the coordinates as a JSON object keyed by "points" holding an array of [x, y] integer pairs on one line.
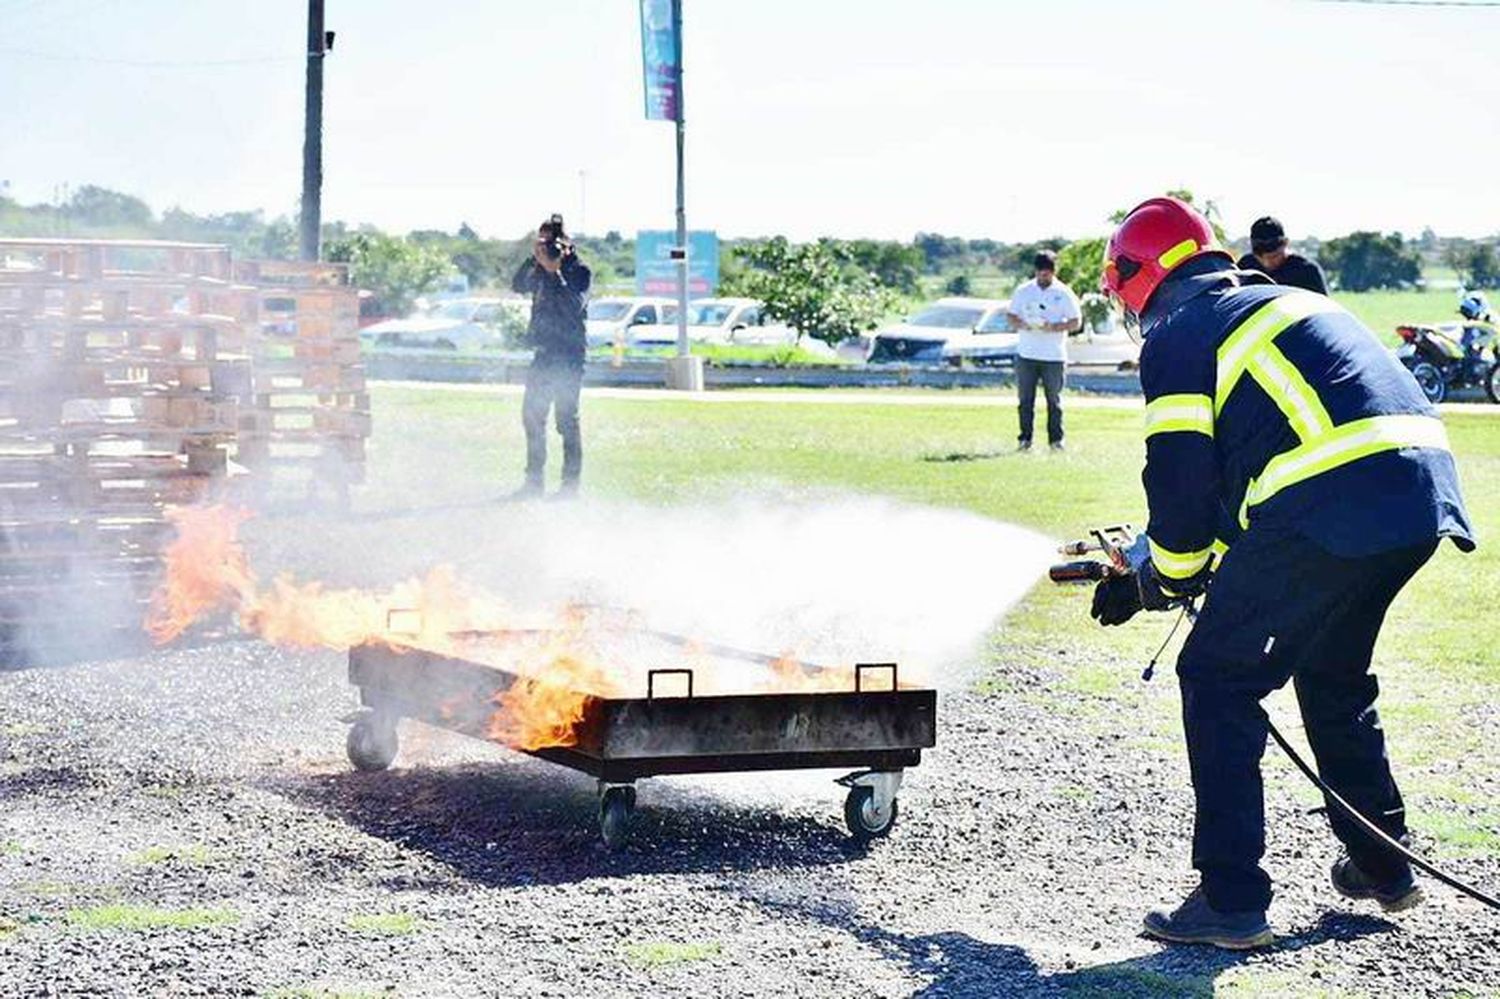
{"points": [[1029, 843]]}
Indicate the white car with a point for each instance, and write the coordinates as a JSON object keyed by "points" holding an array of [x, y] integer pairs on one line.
{"points": [[461, 324], [717, 320], [608, 319], [977, 328]]}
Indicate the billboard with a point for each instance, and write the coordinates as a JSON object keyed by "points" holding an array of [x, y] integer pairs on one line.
{"points": [[656, 271], [661, 57]]}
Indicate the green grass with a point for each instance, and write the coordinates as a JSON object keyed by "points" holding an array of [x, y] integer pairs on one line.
{"points": [[1438, 660], [1383, 311], [387, 924], [10, 847], [1469, 833], [193, 855], [140, 917], [656, 953]]}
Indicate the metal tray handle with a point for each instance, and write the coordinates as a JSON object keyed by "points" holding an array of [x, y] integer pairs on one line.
{"points": [[651, 676], [859, 670]]}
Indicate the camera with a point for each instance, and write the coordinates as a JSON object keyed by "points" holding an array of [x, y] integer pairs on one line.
{"points": [[553, 240]]}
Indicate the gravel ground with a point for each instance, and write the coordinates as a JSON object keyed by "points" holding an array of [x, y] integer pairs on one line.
{"points": [[184, 822], [212, 779]]}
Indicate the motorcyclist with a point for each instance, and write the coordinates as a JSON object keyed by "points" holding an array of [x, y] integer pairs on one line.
{"points": [[1275, 406], [1479, 327]]}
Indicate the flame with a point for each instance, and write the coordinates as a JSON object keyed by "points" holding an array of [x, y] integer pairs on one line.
{"points": [[556, 678]]}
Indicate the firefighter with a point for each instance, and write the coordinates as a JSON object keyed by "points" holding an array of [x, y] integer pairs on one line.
{"points": [[1293, 460]]}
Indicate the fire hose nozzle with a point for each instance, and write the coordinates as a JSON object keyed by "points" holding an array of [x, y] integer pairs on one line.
{"points": [[1078, 548], [1085, 571]]}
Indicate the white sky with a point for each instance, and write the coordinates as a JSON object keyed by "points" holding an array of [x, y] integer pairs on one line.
{"points": [[878, 118]]}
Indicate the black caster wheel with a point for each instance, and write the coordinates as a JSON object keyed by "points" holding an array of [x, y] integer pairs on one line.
{"points": [[616, 808], [372, 743], [865, 819]]}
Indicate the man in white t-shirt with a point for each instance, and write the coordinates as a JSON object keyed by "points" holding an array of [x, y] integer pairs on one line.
{"points": [[1045, 311]]}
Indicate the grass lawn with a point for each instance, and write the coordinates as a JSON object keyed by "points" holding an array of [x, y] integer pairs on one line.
{"points": [[1383, 311], [1438, 658]]}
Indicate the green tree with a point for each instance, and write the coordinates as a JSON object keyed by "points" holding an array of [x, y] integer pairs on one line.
{"points": [[895, 265], [1080, 265], [99, 206], [394, 269], [1362, 260], [1476, 263], [959, 284], [816, 288]]}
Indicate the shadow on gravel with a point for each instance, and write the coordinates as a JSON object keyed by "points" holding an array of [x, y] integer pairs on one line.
{"points": [[45, 781], [960, 965], [528, 822]]}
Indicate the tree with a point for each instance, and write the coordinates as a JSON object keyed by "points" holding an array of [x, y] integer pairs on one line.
{"points": [[1476, 263], [395, 270], [99, 206], [816, 288], [1080, 265], [959, 284], [895, 265], [1364, 260]]}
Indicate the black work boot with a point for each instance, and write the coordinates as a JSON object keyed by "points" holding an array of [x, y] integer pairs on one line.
{"points": [[1394, 895], [1197, 922]]}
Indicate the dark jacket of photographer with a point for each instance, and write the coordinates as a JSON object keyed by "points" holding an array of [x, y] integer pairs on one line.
{"points": [[556, 330]]}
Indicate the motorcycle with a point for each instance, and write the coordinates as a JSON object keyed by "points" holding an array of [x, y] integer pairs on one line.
{"points": [[1452, 355]]}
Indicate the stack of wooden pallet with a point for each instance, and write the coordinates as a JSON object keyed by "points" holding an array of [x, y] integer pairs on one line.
{"points": [[122, 365], [310, 409]]}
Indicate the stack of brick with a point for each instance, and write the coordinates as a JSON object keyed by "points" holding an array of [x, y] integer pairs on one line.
{"points": [[122, 366], [309, 411]]}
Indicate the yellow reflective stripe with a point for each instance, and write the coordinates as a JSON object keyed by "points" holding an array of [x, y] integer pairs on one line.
{"points": [[1177, 565], [1183, 411], [1236, 352], [1350, 442], [1178, 254], [1219, 547], [1291, 393]]}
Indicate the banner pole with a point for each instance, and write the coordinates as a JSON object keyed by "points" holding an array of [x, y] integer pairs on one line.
{"points": [[682, 248]]}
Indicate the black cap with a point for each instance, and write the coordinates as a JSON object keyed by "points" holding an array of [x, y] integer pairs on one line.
{"points": [[1045, 260], [1267, 234]]}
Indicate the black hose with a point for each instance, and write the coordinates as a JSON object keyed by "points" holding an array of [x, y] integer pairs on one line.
{"points": [[1374, 830]]}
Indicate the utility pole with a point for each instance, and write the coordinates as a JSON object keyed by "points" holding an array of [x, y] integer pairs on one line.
{"points": [[312, 139]]}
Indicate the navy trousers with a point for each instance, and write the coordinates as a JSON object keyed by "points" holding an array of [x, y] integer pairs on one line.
{"points": [[1281, 608], [554, 387]]}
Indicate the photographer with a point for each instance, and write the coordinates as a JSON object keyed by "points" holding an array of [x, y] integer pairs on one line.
{"points": [[557, 282]]}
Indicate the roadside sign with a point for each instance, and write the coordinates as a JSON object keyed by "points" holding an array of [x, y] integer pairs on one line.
{"points": [[656, 262], [660, 55]]}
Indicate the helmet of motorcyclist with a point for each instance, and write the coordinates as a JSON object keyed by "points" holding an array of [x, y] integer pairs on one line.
{"points": [[1157, 236], [1473, 306]]}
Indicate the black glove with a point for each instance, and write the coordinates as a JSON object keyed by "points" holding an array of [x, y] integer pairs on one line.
{"points": [[1153, 597], [1116, 600]]}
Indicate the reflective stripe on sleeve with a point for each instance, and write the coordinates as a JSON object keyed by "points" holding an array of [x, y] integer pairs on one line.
{"points": [[1338, 447], [1237, 352], [1177, 565], [1184, 411]]}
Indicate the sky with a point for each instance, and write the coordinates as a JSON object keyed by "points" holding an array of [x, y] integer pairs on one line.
{"points": [[849, 118]]}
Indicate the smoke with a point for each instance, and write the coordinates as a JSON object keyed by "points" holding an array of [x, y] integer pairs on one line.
{"points": [[828, 579]]}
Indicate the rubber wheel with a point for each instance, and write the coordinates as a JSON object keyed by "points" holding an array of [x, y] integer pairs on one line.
{"points": [[1430, 379], [616, 808], [372, 745], [1492, 383], [865, 821]]}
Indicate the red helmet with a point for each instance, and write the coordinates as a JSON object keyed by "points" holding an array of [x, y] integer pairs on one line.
{"points": [[1157, 236]]}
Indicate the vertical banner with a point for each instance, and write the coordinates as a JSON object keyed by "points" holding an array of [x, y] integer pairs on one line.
{"points": [[661, 51]]}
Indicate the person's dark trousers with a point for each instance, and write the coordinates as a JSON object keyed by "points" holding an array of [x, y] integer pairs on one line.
{"points": [[1280, 607], [555, 387], [1050, 374]]}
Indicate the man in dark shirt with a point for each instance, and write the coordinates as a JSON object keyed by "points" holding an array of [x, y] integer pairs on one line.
{"points": [[557, 282], [1268, 254]]}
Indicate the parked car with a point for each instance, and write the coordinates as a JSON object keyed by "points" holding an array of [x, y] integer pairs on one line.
{"points": [[718, 320], [610, 318], [461, 324], [977, 326]]}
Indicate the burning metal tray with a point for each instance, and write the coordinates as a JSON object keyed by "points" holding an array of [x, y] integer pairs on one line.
{"points": [[878, 726]]}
